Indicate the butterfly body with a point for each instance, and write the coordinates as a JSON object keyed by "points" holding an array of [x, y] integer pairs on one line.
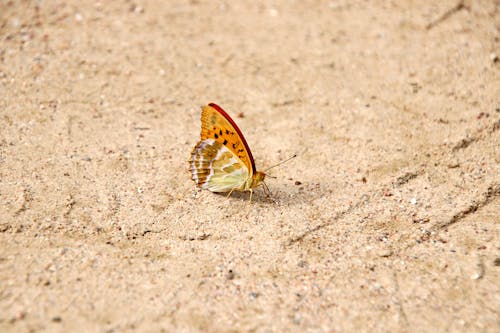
{"points": [[222, 161]]}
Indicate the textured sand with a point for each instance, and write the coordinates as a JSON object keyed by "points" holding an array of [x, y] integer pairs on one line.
{"points": [[388, 220]]}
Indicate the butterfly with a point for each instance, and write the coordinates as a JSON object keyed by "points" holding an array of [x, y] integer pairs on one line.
{"points": [[222, 161]]}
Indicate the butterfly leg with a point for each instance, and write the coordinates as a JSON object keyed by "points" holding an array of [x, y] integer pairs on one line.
{"points": [[251, 193], [267, 190], [230, 192]]}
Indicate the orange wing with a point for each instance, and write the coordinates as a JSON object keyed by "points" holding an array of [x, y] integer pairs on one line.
{"points": [[217, 125]]}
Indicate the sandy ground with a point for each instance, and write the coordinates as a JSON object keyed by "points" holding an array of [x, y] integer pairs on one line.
{"points": [[388, 219]]}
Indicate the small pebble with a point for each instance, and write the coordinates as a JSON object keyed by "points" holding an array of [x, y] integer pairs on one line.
{"points": [[254, 295], [385, 253], [302, 263]]}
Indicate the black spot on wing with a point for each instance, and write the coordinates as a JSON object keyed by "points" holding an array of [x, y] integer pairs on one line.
{"points": [[225, 142]]}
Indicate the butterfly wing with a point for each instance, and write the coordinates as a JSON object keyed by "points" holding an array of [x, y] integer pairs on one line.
{"points": [[217, 125], [222, 160], [215, 168]]}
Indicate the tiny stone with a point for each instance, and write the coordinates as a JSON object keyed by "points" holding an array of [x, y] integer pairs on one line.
{"points": [[421, 220], [298, 183], [413, 201], [273, 12], [302, 263], [254, 295], [385, 253]]}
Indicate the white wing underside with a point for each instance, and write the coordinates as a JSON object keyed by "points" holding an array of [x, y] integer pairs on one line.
{"points": [[215, 168]]}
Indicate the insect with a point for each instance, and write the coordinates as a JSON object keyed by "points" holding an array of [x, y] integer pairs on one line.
{"points": [[222, 161]]}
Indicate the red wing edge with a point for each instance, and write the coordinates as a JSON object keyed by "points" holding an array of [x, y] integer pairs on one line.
{"points": [[231, 121]]}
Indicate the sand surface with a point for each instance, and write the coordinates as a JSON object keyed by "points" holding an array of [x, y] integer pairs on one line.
{"points": [[388, 219]]}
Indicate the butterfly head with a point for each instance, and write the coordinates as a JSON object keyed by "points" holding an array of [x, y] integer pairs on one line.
{"points": [[257, 178]]}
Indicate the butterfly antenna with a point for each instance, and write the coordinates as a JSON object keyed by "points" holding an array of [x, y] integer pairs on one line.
{"points": [[280, 163]]}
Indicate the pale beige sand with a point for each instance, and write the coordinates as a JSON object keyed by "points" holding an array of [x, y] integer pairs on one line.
{"points": [[386, 221]]}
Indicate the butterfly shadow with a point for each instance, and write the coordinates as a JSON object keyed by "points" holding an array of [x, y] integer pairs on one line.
{"points": [[290, 194], [277, 195], [258, 196]]}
